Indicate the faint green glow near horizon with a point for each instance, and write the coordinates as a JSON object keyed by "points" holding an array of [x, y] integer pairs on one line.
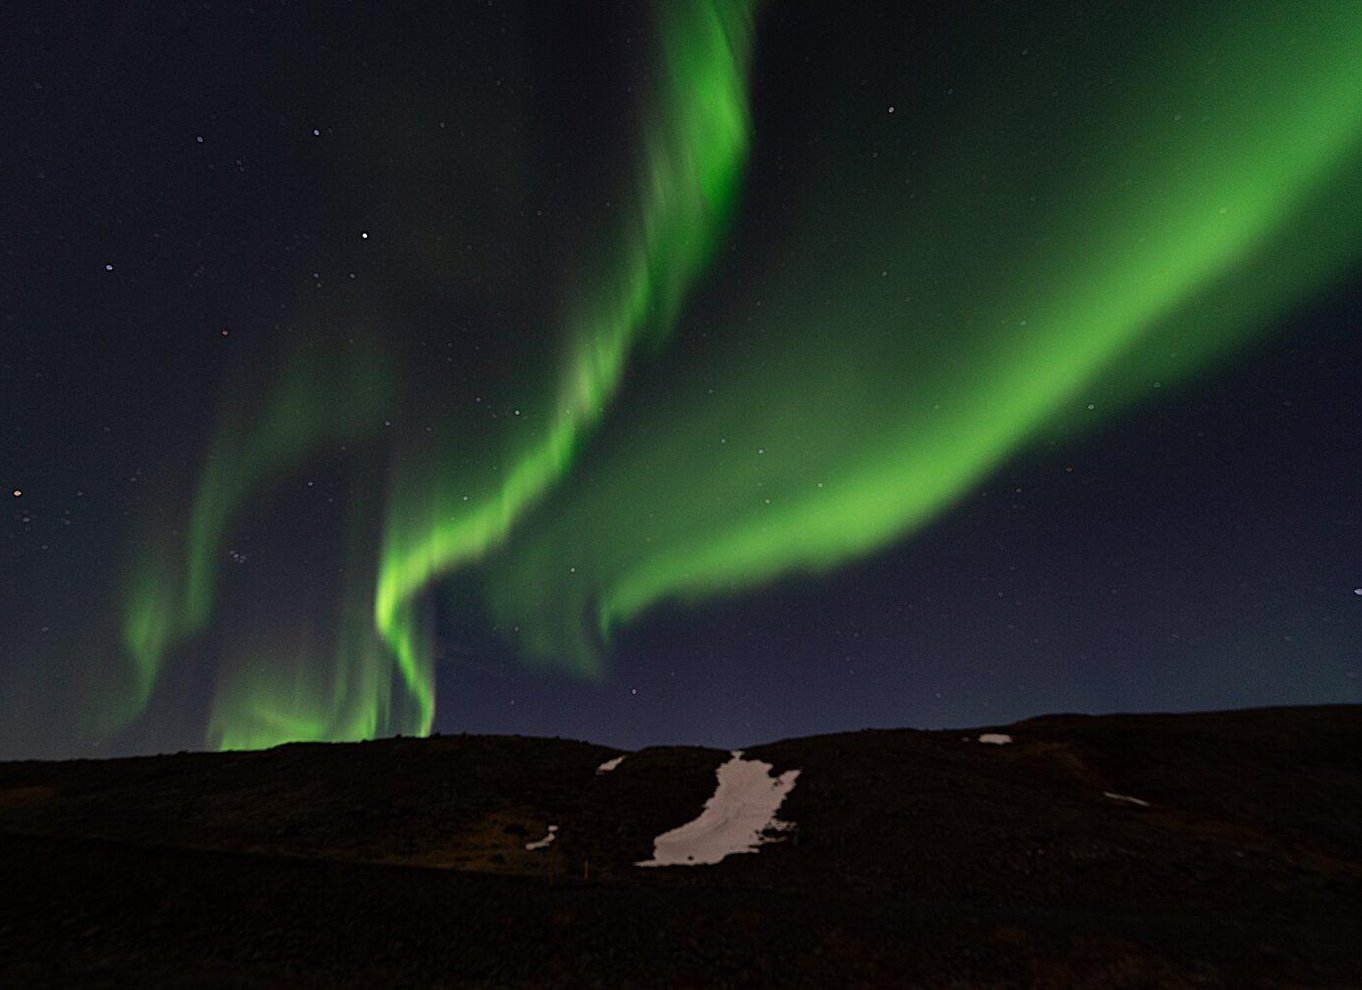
{"points": [[325, 675], [321, 400], [695, 139], [298, 690]]}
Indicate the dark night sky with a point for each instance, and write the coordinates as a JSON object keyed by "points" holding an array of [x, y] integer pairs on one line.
{"points": [[284, 290]]}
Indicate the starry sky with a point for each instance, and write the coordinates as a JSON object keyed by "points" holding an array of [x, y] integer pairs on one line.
{"points": [[703, 371]]}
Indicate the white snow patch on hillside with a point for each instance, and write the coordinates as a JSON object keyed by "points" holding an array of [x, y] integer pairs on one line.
{"points": [[609, 765], [995, 738], [546, 841], [734, 819]]}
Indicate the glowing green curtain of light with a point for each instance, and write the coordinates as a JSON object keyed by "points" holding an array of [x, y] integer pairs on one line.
{"points": [[695, 140], [321, 400], [1045, 271]]}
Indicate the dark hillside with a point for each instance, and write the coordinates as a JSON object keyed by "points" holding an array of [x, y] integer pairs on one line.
{"points": [[917, 859]]}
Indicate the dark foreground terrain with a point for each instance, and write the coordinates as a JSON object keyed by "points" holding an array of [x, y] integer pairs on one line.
{"points": [[918, 859]]}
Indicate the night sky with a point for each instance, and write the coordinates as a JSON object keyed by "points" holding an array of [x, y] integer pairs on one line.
{"points": [[702, 371]]}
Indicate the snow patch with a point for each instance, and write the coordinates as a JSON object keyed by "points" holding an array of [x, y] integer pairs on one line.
{"points": [[1126, 798], [995, 738], [734, 820], [546, 841], [609, 765]]}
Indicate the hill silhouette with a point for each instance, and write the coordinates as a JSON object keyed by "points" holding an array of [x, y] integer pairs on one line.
{"points": [[1202, 849]]}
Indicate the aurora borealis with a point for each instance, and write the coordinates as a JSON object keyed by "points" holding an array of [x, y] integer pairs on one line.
{"points": [[694, 140], [649, 379]]}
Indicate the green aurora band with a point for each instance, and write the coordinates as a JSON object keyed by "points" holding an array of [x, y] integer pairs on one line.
{"points": [[1050, 264], [695, 140], [1051, 268]]}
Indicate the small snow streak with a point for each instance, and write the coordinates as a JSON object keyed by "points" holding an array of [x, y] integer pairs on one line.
{"points": [[1126, 798], [546, 841], [995, 738]]}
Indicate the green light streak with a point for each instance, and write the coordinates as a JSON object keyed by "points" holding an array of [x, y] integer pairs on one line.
{"points": [[695, 143], [1211, 189], [321, 401]]}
